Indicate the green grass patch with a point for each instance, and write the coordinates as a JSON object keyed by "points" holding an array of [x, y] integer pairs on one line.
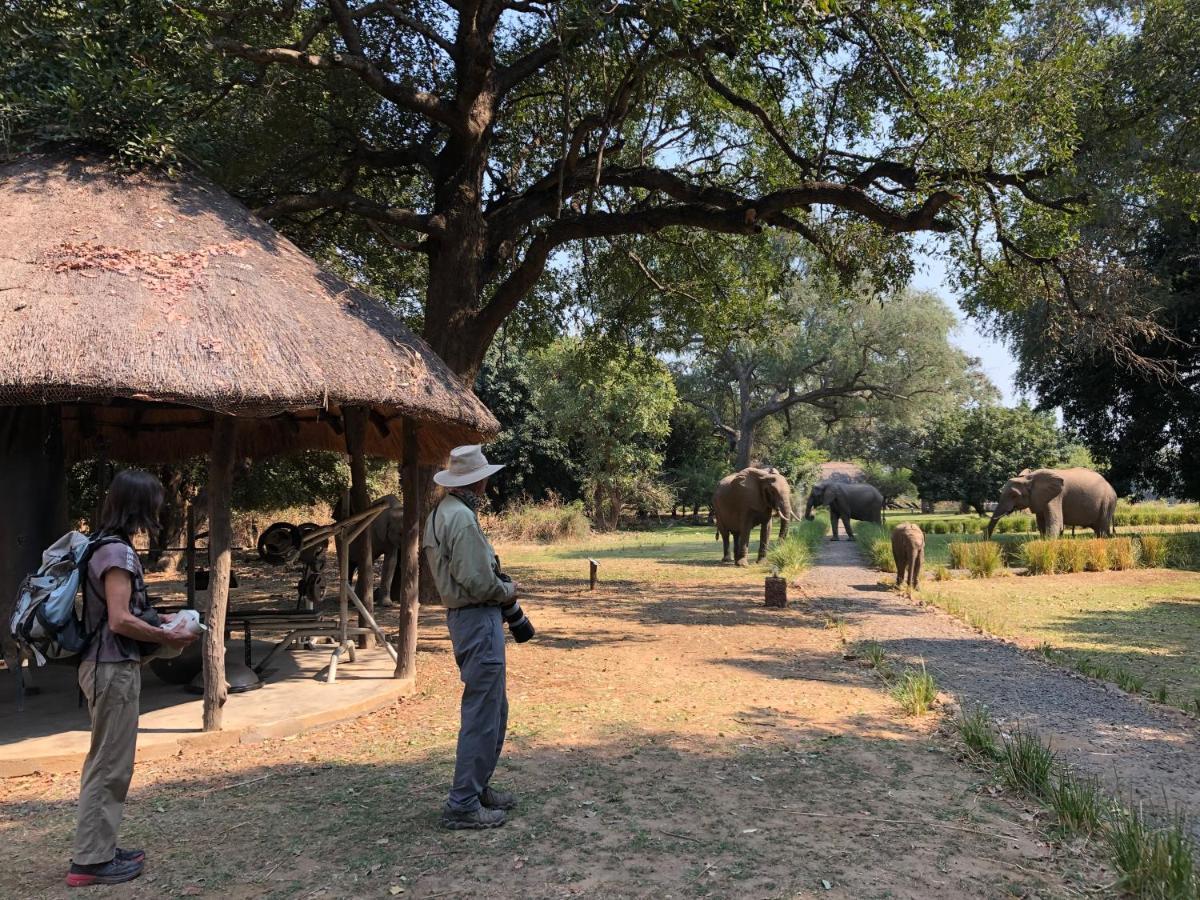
{"points": [[1153, 860], [1134, 628], [977, 732], [1078, 801], [1027, 764], [797, 553]]}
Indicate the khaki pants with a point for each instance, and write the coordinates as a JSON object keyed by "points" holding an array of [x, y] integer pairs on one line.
{"points": [[112, 691]]}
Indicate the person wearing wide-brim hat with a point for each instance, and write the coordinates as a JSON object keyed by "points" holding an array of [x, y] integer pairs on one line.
{"points": [[468, 578]]}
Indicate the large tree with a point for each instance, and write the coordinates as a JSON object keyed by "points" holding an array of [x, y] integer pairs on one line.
{"points": [[463, 142]]}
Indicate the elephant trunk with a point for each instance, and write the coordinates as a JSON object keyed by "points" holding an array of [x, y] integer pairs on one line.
{"points": [[1002, 510], [786, 516], [808, 507]]}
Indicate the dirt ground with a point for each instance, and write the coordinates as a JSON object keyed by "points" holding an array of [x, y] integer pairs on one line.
{"points": [[670, 737]]}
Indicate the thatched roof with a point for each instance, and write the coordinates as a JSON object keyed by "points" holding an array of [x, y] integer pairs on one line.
{"points": [[143, 303]]}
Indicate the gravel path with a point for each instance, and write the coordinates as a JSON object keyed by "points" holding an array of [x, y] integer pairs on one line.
{"points": [[1133, 745]]}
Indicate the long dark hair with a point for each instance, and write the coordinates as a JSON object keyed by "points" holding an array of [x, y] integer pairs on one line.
{"points": [[132, 504]]}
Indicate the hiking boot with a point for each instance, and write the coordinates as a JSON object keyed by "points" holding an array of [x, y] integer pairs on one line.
{"points": [[131, 855], [494, 799], [472, 819], [115, 871]]}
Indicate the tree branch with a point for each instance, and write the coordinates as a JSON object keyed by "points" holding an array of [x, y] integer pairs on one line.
{"points": [[347, 201]]}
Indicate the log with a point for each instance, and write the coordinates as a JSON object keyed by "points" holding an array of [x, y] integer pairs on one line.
{"points": [[220, 534], [410, 555], [356, 418]]}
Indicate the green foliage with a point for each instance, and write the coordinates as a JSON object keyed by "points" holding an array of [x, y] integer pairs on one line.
{"points": [[877, 543], [613, 407], [130, 76], [537, 461], [967, 455], [1183, 550], [694, 459], [889, 481]]}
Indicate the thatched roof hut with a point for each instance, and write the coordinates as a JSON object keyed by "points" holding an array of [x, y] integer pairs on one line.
{"points": [[146, 319], [209, 309]]}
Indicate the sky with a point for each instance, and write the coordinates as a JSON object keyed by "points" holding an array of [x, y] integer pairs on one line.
{"points": [[995, 359]]}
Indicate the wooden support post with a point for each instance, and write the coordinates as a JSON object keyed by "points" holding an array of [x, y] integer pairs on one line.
{"points": [[593, 568], [410, 555], [355, 418], [220, 531], [189, 557]]}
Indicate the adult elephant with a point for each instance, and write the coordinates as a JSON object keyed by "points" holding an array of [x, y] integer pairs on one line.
{"points": [[745, 500], [387, 531], [862, 502], [1059, 498]]}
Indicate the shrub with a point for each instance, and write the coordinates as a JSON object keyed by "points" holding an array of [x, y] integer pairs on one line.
{"points": [[985, 559], [938, 528], [1153, 550], [549, 522], [1039, 557], [1072, 555], [1097, 555], [1183, 550], [916, 691], [1121, 553]]}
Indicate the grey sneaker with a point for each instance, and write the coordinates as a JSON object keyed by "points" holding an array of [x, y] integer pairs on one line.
{"points": [[472, 819], [494, 799]]}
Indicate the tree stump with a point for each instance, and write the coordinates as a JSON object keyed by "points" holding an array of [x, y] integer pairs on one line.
{"points": [[776, 592]]}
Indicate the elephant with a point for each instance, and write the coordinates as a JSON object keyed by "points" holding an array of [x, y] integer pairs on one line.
{"points": [[846, 501], [387, 532], [747, 499], [908, 549], [1059, 498]]}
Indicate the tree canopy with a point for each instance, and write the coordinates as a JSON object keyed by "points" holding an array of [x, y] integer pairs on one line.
{"points": [[967, 455]]}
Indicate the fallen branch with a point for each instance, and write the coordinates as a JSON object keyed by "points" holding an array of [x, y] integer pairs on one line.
{"points": [[685, 837], [230, 787]]}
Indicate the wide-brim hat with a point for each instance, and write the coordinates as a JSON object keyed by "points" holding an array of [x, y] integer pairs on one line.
{"points": [[467, 466]]}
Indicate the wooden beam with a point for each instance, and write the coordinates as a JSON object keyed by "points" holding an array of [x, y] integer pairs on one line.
{"points": [[220, 531], [405, 588], [355, 418]]}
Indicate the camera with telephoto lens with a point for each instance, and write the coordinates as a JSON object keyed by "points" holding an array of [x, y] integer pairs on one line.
{"points": [[518, 623]]}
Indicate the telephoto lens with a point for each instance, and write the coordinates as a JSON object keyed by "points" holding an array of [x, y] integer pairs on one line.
{"points": [[518, 623]]}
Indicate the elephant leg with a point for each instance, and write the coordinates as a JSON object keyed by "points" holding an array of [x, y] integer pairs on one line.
{"points": [[764, 539], [1041, 523], [833, 524], [741, 543], [849, 530], [914, 575], [383, 590], [1054, 519], [901, 570], [725, 557]]}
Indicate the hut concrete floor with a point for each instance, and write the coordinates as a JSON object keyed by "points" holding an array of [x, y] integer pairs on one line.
{"points": [[52, 734]]}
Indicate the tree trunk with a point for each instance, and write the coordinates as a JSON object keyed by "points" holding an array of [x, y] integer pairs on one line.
{"points": [[355, 420], [410, 555], [176, 493], [745, 448], [220, 528]]}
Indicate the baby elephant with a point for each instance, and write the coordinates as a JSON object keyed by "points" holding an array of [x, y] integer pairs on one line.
{"points": [[908, 549]]}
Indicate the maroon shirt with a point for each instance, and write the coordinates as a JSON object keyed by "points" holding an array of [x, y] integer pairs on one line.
{"points": [[106, 646]]}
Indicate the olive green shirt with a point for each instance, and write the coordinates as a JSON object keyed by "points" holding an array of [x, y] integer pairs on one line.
{"points": [[460, 557]]}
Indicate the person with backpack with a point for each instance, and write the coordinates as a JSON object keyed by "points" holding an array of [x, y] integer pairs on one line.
{"points": [[122, 628]]}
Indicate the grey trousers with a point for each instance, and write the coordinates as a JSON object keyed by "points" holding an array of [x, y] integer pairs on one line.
{"points": [[113, 691], [478, 638]]}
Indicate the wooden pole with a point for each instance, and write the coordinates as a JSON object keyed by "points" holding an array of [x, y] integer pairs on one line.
{"points": [[220, 531], [355, 419], [190, 555], [410, 555]]}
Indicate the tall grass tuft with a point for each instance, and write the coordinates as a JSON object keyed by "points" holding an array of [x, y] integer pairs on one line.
{"points": [[1153, 551], [548, 522], [986, 559], [877, 543], [795, 554], [1072, 555], [960, 554], [978, 733], [1027, 764], [1039, 557], [1097, 554], [1078, 802], [1121, 553], [915, 690], [1152, 861]]}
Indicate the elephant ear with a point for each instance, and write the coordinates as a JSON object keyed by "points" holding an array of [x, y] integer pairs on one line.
{"points": [[1045, 487]]}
